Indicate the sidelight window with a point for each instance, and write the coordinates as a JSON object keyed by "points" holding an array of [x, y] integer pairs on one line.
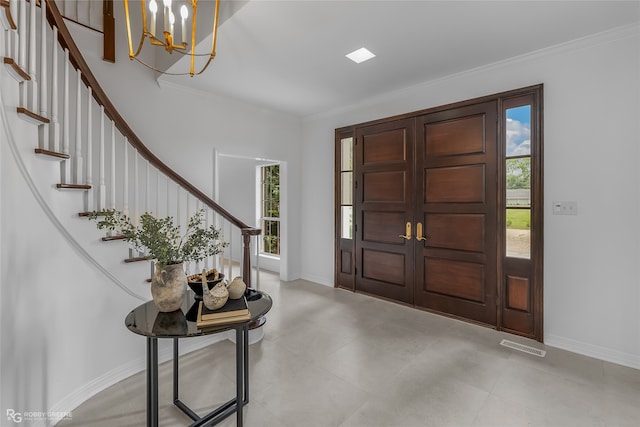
{"points": [[346, 188], [518, 181]]}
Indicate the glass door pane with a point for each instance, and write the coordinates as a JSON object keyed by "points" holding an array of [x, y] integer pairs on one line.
{"points": [[518, 182]]}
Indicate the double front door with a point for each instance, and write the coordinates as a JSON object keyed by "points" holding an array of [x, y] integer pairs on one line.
{"points": [[425, 216]]}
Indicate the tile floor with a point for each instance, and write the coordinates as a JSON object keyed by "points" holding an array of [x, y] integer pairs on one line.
{"points": [[333, 358]]}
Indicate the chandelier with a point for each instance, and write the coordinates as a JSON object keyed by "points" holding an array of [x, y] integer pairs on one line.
{"points": [[160, 29]]}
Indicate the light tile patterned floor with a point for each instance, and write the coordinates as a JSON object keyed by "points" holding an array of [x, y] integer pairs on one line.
{"points": [[333, 358]]}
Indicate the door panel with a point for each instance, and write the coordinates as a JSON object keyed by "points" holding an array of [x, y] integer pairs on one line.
{"points": [[461, 136], [384, 266], [457, 184], [464, 232], [384, 187], [383, 227], [385, 147], [456, 170], [384, 199], [455, 279]]}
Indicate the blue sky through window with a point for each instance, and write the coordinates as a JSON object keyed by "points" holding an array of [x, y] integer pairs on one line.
{"points": [[519, 131]]}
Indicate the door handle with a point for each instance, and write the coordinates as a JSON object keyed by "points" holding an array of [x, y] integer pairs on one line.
{"points": [[407, 231], [419, 232]]}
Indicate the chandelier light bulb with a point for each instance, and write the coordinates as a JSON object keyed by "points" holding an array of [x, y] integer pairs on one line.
{"points": [[153, 7], [184, 12]]}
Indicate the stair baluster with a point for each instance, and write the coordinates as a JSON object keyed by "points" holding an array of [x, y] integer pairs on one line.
{"points": [[32, 90], [43, 130], [54, 129], [89, 203], [78, 161]]}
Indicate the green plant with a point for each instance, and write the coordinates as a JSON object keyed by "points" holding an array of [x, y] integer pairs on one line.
{"points": [[162, 238]]}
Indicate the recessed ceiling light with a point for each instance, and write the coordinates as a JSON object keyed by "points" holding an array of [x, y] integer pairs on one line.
{"points": [[360, 55]]}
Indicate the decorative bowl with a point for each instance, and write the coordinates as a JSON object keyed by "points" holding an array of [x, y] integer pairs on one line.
{"points": [[195, 282]]}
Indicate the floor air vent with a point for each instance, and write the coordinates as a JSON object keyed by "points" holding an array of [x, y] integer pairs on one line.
{"points": [[524, 348]]}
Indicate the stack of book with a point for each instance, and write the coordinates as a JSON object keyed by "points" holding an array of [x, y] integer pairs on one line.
{"points": [[234, 311]]}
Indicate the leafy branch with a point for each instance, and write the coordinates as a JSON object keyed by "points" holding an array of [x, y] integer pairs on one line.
{"points": [[162, 238]]}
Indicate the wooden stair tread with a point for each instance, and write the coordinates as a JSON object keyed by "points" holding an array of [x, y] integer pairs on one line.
{"points": [[73, 187], [52, 155], [111, 238], [32, 117], [137, 259], [15, 70], [98, 213]]}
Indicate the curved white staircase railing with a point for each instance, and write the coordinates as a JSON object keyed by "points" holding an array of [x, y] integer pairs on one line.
{"points": [[99, 155]]}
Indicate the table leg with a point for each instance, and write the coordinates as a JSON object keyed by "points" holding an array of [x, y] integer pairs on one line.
{"points": [[152, 382], [175, 370], [246, 365], [240, 336]]}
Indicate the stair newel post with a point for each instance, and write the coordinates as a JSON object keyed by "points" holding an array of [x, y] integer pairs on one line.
{"points": [[257, 262], [78, 160], [44, 128], [125, 178], [102, 196], [55, 126], [65, 118], [89, 179], [33, 84], [246, 257]]}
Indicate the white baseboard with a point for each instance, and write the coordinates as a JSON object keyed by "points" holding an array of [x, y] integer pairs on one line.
{"points": [[598, 352], [90, 389], [318, 279]]}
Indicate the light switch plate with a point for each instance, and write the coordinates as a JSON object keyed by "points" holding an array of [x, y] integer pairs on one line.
{"points": [[565, 208]]}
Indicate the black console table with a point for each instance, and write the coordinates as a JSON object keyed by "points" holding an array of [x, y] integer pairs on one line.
{"points": [[146, 320]]}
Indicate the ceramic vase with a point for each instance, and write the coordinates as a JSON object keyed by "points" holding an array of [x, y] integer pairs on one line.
{"points": [[168, 287], [214, 298], [236, 288]]}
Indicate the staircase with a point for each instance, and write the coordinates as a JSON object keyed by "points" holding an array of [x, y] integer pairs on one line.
{"points": [[89, 154]]}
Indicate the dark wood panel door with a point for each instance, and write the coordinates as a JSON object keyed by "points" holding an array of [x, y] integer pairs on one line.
{"points": [[384, 206], [455, 204]]}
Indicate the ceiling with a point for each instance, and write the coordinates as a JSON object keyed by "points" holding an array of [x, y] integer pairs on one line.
{"points": [[290, 55]]}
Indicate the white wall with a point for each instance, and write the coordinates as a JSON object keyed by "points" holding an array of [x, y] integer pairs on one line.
{"points": [[591, 110]]}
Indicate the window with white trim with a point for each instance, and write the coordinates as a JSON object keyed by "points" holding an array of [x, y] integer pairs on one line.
{"points": [[270, 209]]}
